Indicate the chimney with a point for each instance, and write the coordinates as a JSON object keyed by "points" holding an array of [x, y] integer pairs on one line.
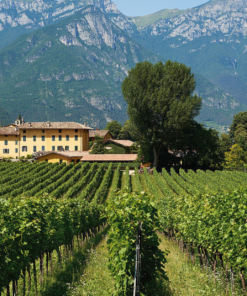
{"points": [[16, 129], [85, 124], [97, 129], [48, 123], [23, 120], [29, 124]]}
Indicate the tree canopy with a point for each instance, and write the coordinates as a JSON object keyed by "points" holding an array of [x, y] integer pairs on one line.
{"points": [[98, 146], [114, 128], [161, 103]]}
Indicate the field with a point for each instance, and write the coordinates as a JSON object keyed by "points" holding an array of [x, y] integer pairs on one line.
{"points": [[49, 209]]}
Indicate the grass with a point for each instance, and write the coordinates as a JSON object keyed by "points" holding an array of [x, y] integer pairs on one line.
{"points": [[189, 280], [96, 278]]}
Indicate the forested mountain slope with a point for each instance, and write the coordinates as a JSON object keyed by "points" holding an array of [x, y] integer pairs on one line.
{"points": [[71, 70]]}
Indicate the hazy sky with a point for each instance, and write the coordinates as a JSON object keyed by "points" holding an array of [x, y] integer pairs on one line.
{"points": [[144, 7]]}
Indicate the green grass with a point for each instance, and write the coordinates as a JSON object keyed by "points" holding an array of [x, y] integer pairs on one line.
{"points": [[189, 280], [96, 278]]}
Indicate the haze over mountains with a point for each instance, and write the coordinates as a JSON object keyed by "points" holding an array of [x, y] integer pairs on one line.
{"points": [[75, 57]]}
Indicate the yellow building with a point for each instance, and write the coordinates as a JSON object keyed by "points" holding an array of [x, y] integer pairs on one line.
{"points": [[21, 139], [65, 156]]}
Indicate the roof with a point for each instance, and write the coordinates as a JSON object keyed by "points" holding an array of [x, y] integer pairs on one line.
{"points": [[69, 154], [101, 133], [52, 125], [8, 130], [110, 157], [124, 143]]}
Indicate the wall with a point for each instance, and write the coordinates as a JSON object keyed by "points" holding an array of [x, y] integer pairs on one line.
{"points": [[82, 143], [11, 146]]}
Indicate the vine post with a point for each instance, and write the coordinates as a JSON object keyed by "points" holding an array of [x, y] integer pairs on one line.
{"points": [[136, 291]]}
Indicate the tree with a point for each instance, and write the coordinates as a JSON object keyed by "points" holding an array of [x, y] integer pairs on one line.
{"points": [[98, 146], [114, 128], [238, 119], [225, 142], [160, 102], [236, 157], [127, 132]]}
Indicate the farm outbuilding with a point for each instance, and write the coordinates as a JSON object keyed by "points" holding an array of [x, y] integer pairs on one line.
{"points": [[64, 156]]}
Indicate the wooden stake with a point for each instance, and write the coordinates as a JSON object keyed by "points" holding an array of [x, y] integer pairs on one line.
{"points": [[200, 257], [242, 280], [226, 280]]}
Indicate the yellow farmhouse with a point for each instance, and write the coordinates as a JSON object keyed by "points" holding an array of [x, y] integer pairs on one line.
{"points": [[20, 139]]}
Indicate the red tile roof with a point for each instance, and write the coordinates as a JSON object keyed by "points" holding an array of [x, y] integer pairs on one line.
{"points": [[53, 125], [124, 143], [101, 133], [8, 130], [69, 154], [110, 157]]}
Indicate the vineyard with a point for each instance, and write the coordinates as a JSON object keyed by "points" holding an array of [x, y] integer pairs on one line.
{"points": [[45, 206]]}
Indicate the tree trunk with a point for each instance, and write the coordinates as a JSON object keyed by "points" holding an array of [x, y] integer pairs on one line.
{"points": [[156, 156]]}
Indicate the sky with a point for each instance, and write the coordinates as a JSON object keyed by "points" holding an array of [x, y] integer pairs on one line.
{"points": [[144, 7]]}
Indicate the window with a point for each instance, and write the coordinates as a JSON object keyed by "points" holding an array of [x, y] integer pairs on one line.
{"points": [[24, 131], [5, 142], [67, 138], [76, 138], [16, 142], [34, 149], [6, 136], [59, 148], [66, 148], [43, 148], [24, 148], [60, 161], [34, 138], [76, 148], [24, 138], [53, 138], [59, 138], [76, 130], [16, 150], [43, 131], [43, 138], [46, 160], [59, 131], [5, 151], [53, 148]]}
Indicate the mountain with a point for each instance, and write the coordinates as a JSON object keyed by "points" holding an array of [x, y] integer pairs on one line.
{"points": [[71, 70], [211, 39], [75, 71], [21, 17], [142, 21]]}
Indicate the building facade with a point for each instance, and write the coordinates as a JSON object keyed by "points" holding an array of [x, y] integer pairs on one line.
{"points": [[20, 139]]}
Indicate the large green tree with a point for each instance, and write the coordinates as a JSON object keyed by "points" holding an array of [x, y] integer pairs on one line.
{"points": [[160, 102], [239, 119], [114, 128]]}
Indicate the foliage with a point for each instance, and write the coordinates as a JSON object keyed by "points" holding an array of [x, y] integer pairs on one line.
{"points": [[98, 146], [128, 131], [160, 102], [115, 148], [124, 212], [239, 120], [225, 142], [216, 222], [32, 226], [114, 128], [236, 157]]}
